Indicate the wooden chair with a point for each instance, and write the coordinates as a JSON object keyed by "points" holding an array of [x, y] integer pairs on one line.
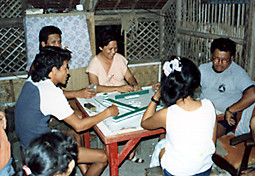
{"points": [[236, 152]]}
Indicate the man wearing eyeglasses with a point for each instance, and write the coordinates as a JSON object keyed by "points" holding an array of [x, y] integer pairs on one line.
{"points": [[228, 86]]}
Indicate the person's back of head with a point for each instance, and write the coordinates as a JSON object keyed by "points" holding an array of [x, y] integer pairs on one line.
{"points": [[105, 36], [49, 154], [46, 31], [180, 79], [224, 44], [48, 58]]}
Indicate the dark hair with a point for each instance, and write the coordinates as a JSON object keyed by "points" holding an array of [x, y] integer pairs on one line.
{"points": [[224, 44], [50, 153], [105, 36], [45, 32], [48, 58], [180, 84]]}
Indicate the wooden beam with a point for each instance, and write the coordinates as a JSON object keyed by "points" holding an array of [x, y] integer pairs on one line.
{"points": [[86, 5], [91, 28], [134, 5], [116, 5], [93, 5], [157, 2], [11, 22], [70, 5], [208, 35], [116, 19], [250, 39]]}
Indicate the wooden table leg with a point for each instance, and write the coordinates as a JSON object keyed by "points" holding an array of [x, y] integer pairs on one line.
{"points": [[115, 158], [86, 139], [112, 153], [126, 149]]}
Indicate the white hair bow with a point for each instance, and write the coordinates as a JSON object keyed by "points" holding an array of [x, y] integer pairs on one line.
{"points": [[169, 67]]}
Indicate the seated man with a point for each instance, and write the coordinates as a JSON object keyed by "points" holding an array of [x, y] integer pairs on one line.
{"points": [[40, 99], [51, 36], [227, 85]]}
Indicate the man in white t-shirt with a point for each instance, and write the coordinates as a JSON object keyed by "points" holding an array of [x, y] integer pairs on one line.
{"points": [[40, 99]]}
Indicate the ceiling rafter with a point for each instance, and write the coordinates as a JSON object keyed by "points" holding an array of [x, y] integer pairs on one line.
{"points": [[134, 5], [157, 2], [116, 5]]}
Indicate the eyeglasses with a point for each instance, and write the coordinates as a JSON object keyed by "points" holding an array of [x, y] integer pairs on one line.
{"points": [[222, 60]]}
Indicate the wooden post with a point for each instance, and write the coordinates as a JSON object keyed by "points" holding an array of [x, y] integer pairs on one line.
{"points": [[249, 39], [91, 27], [178, 25]]}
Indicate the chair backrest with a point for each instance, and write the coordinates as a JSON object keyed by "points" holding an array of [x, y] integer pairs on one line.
{"points": [[235, 158]]}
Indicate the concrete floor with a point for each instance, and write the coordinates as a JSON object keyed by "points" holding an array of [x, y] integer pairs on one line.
{"points": [[129, 168], [144, 150]]}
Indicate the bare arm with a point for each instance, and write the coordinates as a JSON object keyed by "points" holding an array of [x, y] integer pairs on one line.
{"points": [[247, 99], [93, 79], [215, 133], [82, 93], [131, 80], [152, 119], [88, 122], [5, 147]]}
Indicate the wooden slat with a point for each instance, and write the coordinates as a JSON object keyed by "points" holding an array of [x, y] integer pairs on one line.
{"points": [[11, 22]]}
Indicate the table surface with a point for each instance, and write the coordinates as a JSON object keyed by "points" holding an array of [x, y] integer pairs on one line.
{"points": [[133, 107], [116, 129]]}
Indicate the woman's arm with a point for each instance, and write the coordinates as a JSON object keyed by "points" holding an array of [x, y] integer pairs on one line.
{"points": [[129, 77], [93, 79], [152, 119]]}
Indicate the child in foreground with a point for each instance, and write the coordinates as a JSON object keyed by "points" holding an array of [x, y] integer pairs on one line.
{"points": [[190, 124], [51, 154]]}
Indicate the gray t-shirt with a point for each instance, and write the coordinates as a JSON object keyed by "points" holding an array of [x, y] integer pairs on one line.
{"points": [[224, 88]]}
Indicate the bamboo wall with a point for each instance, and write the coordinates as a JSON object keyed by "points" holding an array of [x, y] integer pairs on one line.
{"points": [[189, 27]]}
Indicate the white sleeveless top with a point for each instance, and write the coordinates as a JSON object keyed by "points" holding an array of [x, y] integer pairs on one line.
{"points": [[189, 139]]}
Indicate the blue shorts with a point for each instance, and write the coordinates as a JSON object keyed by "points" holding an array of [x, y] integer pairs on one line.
{"points": [[225, 124], [205, 173]]}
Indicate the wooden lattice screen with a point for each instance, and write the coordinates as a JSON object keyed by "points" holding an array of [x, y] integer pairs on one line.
{"points": [[142, 40], [12, 40], [168, 39], [195, 23]]}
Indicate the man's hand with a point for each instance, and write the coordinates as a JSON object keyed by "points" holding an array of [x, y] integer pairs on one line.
{"points": [[229, 118], [113, 110], [86, 93], [5, 148]]}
